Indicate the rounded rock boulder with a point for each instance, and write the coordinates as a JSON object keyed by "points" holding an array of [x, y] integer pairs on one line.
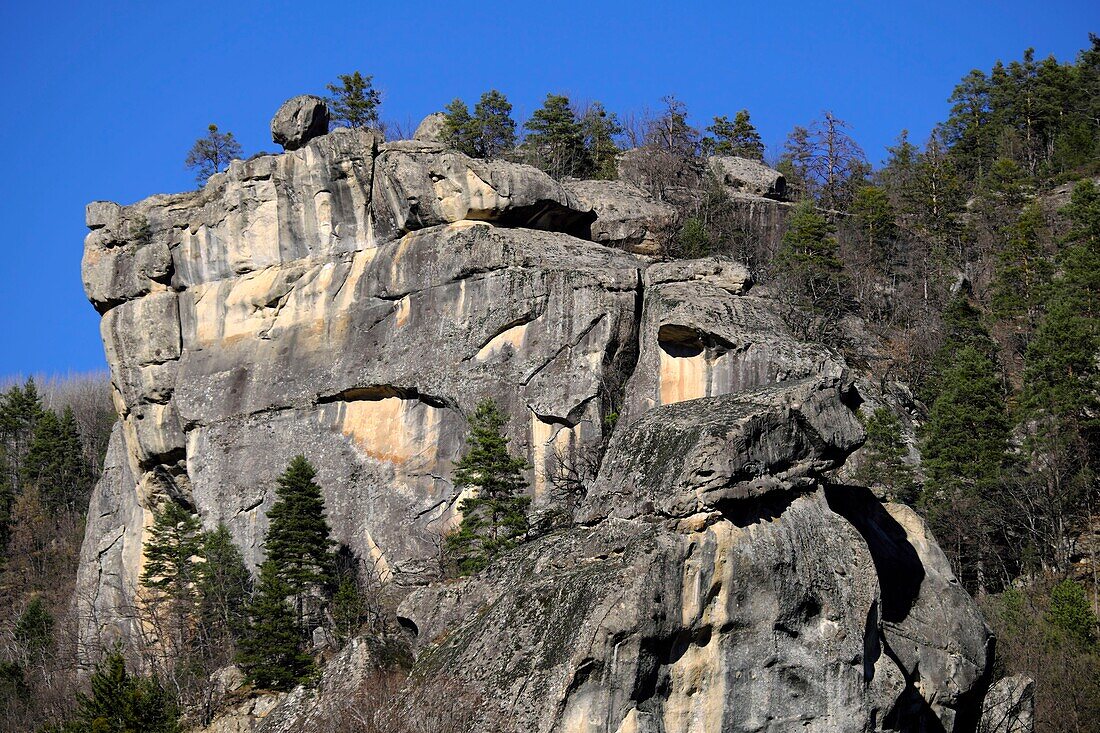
{"points": [[299, 120]]}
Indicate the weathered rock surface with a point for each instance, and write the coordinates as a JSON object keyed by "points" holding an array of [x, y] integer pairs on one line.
{"points": [[626, 217], [747, 176], [299, 120], [431, 128], [353, 300], [1010, 706]]}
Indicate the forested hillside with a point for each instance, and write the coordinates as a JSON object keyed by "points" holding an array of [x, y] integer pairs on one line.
{"points": [[961, 276]]}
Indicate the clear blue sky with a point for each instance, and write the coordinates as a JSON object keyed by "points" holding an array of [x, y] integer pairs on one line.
{"points": [[103, 99]]}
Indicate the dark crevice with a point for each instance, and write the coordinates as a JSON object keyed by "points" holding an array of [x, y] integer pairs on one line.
{"points": [[899, 568], [745, 512], [377, 392]]}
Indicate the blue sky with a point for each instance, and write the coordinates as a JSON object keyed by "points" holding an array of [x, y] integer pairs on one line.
{"points": [[105, 98]]}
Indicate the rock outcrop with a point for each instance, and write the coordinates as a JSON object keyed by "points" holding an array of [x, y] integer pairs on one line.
{"points": [[354, 300], [747, 176], [299, 120]]}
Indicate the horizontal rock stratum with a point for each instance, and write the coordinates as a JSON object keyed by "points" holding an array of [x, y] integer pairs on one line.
{"points": [[353, 300]]}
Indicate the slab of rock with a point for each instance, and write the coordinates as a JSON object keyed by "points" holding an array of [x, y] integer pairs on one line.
{"points": [[626, 217], [706, 454], [747, 176], [431, 128], [299, 120], [701, 335], [1009, 706]]}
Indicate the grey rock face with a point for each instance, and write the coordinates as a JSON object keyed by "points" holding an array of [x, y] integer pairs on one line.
{"points": [[354, 300], [431, 128], [299, 120], [626, 217], [747, 176], [1010, 706]]}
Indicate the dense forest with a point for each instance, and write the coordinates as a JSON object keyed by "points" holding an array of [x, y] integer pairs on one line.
{"points": [[962, 275]]}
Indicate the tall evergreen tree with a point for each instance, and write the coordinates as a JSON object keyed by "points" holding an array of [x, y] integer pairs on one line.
{"points": [[875, 217], [600, 130], [884, 464], [737, 137], [354, 101], [55, 462], [1022, 273], [812, 274], [555, 139], [271, 652], [494, 518], [964, 453], [125, 703], [494, 130], [225, 586], [457, 127], [299, 543]]}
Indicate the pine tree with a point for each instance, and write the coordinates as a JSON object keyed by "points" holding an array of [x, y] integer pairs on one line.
{"points": [[20, 410], [492, 126], [811, 274], [55, 462], [600, 130], [171, 553], [884, 464], [1023, 272], [354, 101], [963, 455], [494, 519], [457, 127], [35, 626], [671, 134], [299, 543], [555, 139], [738, 137], [224, 588], [124, 703], [875, 217], [270, 653], [212, 154], [1070, 614]]}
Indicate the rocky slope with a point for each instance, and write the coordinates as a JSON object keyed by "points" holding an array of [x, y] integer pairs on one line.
{"points": [[353, 300]]}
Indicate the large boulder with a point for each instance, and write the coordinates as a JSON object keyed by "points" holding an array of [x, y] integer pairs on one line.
{"points": [[431, 128], [747, 176], [299, 120], [626, 217], [1010, 706]]}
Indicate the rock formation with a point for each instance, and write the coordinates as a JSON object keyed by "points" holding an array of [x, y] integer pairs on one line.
{"points": [[299, 120], [354, 300]]}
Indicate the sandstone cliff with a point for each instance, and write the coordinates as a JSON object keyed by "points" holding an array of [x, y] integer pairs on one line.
{"points": [[353, 300]]}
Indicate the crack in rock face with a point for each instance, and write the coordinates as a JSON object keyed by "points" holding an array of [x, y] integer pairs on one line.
{"points": [[353, 300]]}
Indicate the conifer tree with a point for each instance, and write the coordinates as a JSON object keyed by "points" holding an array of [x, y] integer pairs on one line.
{"points": [[55, 462], [212, 154], [738, 137], [225, 586], [493, 129], [1070, 614], [555, 139], [964, 447], [494, 519], [812, 274], [457, 127], [600, 130], [299, 543], [270, 652], [884, 464], [125, 703], [1023, 272], [35, 626], [354, 101], [875, 217]]}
